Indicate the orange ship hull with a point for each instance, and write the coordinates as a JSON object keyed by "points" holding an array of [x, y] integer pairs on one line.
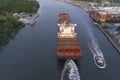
{"points": [[68, 48]]}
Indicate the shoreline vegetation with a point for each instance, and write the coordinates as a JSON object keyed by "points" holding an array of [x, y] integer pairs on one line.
{"points": [[83, 4], [113, 1], [9, 24]]}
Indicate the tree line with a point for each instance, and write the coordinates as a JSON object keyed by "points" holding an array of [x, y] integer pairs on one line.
{"points": [[9, 24]]}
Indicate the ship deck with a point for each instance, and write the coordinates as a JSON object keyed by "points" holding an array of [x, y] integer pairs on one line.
{"points": [[68, 48], [63, 18]]}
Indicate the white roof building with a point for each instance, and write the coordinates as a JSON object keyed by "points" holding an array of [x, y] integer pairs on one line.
{"points": [[113, 10], [102, 12]]}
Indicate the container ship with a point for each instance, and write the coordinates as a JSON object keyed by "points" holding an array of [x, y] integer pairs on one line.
{"points": [[68, 45]]}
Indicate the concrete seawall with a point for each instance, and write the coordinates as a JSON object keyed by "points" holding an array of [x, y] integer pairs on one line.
{"points": [[108, 37]]}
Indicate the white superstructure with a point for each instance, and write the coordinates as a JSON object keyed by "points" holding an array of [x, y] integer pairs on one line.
{"points": [[67, 30]]}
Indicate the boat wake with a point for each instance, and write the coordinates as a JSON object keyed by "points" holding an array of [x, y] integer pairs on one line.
{"points": [[95, 49], [98, 56], [71, 70]]}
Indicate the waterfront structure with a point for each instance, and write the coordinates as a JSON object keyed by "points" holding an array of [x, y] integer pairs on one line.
{"points": [[68, 46], [104, 13], [28, 20], [115, 11], [105, 3], [101, 15]]}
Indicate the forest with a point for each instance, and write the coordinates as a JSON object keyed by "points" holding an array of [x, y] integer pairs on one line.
{"points": [[9, 24], [12, 6]]}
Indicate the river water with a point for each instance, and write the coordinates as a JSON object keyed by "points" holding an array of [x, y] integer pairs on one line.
{"points": [[31, 55]]}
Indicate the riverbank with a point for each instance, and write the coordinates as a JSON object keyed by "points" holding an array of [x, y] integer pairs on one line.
{"points": [[109, 38], [76, 3], [83, 5], [9, 24]]}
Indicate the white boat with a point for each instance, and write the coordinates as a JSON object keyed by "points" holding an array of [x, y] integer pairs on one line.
{"points": [[24, 20], [99, 61], [29, 20]]}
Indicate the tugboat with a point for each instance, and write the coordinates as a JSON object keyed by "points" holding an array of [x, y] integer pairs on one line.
{"points": [[97, 56], [100, 62]]}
